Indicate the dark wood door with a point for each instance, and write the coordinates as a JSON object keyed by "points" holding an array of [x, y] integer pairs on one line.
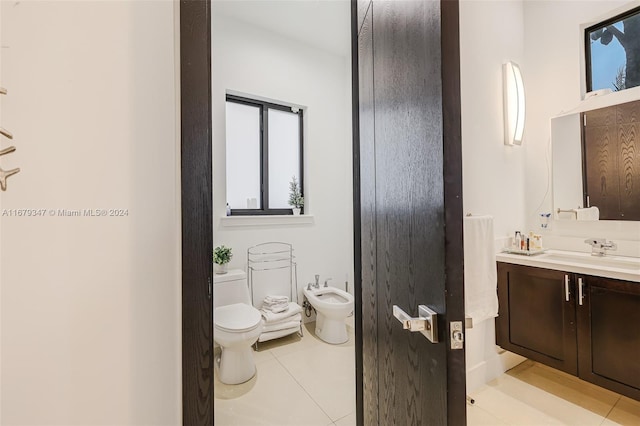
{"points": [[411, 211], [367, 218], [611, 154], [536, 318], [602, 186], [608, 334], [628, 127], [197, 216]]}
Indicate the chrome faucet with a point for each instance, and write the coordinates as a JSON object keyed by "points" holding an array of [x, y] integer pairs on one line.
{"points": [[317, 284], [326, 281], [600, 245]]}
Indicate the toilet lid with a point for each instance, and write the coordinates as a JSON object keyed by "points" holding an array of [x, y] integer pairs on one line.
{"points": [[238, 317]]}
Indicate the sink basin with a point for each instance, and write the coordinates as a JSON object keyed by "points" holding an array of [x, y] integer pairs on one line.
{"points": [[618, 262]]}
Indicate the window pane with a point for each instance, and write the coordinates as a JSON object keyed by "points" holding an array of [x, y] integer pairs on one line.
{"points": [[614, 48], [284, 155], [243, 156]]}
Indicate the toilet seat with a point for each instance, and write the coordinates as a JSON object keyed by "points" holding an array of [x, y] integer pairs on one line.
{"points": [[236, 318]]}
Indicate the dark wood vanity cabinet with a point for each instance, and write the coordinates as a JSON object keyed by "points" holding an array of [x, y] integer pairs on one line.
{"points": [[608, 317], [584, 325], [535, 319]]}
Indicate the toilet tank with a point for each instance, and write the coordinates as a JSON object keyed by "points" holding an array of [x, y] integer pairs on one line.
{"points": [[230, 288]]}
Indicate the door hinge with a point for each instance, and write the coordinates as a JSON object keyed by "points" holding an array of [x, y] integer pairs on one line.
{"points": [[584, 120], [457, 334], [209, 287]]}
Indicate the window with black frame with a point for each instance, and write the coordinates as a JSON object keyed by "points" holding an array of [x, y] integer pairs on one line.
{"points": [[264, 156], [612, 52]]}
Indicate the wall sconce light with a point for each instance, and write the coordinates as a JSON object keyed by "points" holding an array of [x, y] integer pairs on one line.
{"points": [[514, 105]]}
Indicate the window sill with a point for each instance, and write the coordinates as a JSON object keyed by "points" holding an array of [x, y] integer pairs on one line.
{"points": [[267, 220]]}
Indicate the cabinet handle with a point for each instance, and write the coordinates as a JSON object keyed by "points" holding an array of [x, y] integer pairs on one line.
{"points": [[580, 291], [567, 294]]}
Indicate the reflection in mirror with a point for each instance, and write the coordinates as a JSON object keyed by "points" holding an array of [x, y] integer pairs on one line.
{"points": [[596, 164]]}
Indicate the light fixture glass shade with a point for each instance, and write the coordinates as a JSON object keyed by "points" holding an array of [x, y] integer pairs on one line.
{"points": [[514, 104]]}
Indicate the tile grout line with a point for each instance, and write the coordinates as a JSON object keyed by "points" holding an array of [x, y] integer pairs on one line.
{"points": [[611, 409], [305, 390]]}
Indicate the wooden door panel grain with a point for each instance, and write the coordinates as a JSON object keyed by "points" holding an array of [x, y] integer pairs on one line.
{"points": [[410, 168], [362, 8], [368, 221], [197, 216], [601, 164], [611, 154], [629, 170], [409, 207]]}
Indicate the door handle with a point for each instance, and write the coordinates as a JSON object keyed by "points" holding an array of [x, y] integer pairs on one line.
{"points": [[567, 294], [580, 291], [426, 322]]}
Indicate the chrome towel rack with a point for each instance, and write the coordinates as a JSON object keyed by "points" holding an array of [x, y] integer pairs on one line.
{"points": [[574, 211], [4, 174]]}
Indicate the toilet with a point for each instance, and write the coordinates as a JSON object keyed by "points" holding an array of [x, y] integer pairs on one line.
{"points": [[237, 326], [333, 307]]}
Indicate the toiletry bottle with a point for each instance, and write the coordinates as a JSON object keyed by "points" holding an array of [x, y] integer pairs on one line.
{"points": [[518, 240], [228, 210]]}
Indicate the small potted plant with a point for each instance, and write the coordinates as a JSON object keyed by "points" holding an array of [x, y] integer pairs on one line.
{"points": [[296, 200], [221, 257]]}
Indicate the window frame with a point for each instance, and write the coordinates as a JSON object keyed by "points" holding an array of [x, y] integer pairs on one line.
{"points": [[587, 41], [264, 107]]}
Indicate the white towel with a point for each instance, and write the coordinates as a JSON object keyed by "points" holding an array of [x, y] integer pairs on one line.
{"points": [[295, 317], [275, 300], [271, 317], [276, 304], [276, 308], [480, 276], [280, 326], [591, 213]]}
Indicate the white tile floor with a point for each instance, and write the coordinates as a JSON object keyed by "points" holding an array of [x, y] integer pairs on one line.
{"points": [[304, 381], [534, 394], [300, 381]]}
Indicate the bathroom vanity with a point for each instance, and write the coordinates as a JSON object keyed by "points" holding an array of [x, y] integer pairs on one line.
{"points": [[574, 312]]}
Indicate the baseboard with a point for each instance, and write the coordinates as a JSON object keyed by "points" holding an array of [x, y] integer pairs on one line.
{"points": [[484, 372]]}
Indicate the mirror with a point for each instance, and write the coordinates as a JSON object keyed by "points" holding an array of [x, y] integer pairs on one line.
{"points": [[596, 163]]}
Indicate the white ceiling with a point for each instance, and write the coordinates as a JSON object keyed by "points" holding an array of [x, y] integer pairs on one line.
{"points": [[321, 23]]}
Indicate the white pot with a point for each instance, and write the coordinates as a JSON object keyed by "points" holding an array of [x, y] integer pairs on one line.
{"points": [[220, 269], [296, 211]]}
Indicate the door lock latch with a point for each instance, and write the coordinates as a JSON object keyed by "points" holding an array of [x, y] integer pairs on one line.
{"points": [[457, 336]]}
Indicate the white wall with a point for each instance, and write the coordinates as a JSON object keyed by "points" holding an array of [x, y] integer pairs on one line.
{"points": [[90, 319], [514, 184], [553, 79], [258, 62], [491, 33]]}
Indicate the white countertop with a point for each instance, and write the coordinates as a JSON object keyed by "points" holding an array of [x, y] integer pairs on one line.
{"points": [[617, 267]]}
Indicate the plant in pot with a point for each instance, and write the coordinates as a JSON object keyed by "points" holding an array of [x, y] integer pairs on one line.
{"points": [[296, 200], [221, 257]]}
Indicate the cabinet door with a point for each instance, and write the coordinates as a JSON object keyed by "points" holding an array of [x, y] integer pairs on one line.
{"points": [[536, 318], [608, 316]]}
